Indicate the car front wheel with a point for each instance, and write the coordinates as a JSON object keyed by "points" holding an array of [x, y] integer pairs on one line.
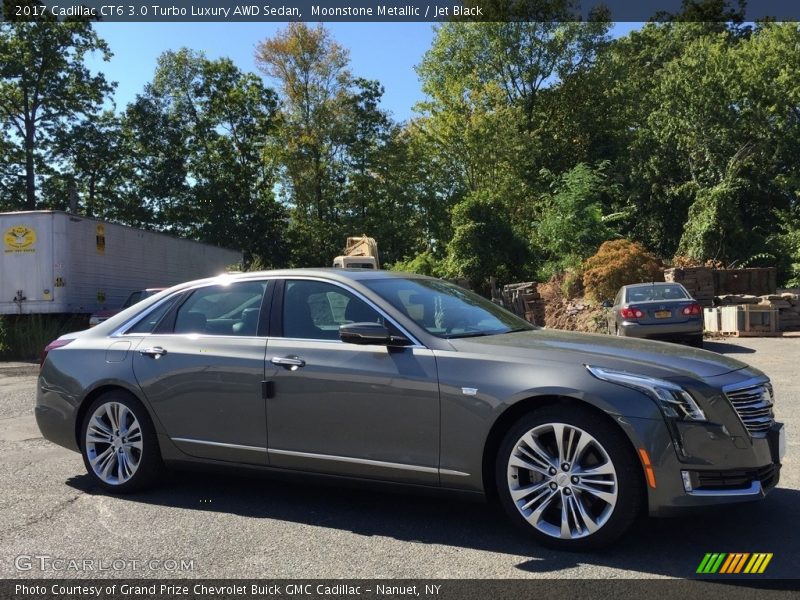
{"points": [[569, 478], [119, 445]]}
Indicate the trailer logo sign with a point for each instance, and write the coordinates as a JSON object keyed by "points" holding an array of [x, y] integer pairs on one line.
{"points": [[19, 239]]}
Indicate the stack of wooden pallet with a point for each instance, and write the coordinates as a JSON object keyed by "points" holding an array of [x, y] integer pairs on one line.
{"points": [[787, 305], [699, 281], [524, 300]]}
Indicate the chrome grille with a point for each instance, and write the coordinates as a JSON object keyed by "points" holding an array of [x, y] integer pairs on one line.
{"points": [[753, 404]]}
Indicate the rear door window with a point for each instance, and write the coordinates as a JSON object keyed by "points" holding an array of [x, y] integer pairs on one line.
{"points": [[232, 309]]}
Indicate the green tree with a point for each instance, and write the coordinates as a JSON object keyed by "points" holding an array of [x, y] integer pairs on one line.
{"points": [[572, 226], [92, 167], [484, 244], [200, 139], [343, 161], [45, 86], [314, 81]]}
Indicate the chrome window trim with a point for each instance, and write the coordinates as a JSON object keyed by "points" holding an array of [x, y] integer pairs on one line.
{"points": [[121, 330]]}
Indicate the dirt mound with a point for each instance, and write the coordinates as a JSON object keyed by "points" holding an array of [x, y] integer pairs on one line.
{"points": [[571, 314]]}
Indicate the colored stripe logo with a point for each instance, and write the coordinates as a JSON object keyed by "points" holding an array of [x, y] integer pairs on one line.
{"points": [[733, 563]]}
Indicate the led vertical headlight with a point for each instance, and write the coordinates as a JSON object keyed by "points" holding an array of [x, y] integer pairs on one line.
{"points": [[674, 401]]}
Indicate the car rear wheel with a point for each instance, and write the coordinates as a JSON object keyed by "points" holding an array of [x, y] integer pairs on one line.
{"points": [[119, 444], [569, 478]]}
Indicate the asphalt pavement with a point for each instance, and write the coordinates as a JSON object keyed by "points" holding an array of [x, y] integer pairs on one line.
{"points": [[219, 526]]}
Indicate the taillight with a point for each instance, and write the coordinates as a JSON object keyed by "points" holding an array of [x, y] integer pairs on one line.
{"points": [[52, 346], [692, 309], [630, 312]]}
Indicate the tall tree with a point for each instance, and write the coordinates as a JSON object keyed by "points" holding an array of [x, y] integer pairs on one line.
{"points": [[339, 153], [93, 165], [45, 86], [207, 130]]}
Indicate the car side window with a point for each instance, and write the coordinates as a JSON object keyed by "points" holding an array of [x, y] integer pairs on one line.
{"points": [[315, 310], [153, 318], [231, 309], [132, 299]]}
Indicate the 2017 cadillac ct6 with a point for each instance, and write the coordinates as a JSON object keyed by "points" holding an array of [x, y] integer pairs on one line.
{"points": [[374, 375]]}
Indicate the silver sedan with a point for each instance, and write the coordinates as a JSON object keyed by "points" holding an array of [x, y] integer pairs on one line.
{"points": [[659, 311]]}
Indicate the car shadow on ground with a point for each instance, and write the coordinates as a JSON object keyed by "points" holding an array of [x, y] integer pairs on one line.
{"points": [[656, 547], [725, 348]]}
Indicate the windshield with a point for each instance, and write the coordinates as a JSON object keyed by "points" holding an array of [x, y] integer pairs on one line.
{"points": [[655, 292], [446, 310]]}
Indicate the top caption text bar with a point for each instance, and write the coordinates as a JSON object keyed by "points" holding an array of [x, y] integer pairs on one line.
{"points": [[379, 11]]}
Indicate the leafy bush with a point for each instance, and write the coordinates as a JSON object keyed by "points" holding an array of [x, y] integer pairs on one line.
{"points": [[3, 336], [27, 335], [618, 263], [484, 244], [714, 228], [786, 242], [572, 225], [425, 263]]}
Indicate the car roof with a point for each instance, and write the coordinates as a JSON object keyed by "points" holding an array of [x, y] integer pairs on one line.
{"points": [[356, 274], [652, 283], [335, 274]]}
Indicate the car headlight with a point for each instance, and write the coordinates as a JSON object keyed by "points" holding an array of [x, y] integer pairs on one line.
{"points": [[674, 401]]}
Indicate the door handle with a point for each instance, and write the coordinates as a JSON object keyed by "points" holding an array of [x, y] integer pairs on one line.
{"points": [[154, 352], [288, 362]]}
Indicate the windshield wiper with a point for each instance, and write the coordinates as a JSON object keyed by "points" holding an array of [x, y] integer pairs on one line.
{"points": [[483, 333], [467, 334]]}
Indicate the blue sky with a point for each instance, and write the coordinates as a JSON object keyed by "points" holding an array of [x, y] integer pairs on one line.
{"points": [[387, 52]]}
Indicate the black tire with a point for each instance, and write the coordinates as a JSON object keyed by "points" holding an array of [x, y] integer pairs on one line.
{"points": [[150, 466], [630, 499], [696, 341]]}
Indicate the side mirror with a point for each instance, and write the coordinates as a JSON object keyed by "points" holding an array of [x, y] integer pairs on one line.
{"points": [[365, 333], [606, 304]]}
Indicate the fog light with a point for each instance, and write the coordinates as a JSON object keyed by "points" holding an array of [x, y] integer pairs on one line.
{"points": [[687, 481]]}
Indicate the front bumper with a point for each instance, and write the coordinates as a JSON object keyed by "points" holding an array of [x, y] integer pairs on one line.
{"points": [[707, 465]]}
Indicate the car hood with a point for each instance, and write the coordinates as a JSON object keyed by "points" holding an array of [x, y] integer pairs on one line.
{"points": [[658, 359]]}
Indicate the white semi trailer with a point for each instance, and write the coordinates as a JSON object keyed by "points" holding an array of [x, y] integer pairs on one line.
{"points": [[56, 262]]}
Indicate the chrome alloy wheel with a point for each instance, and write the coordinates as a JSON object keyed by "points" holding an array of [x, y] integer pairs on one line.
{"points": [[114, 443], [562, 481]]}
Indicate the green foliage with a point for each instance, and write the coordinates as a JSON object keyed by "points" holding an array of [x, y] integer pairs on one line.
{"points": [[197, 139], [424, 263], [786, 244], [571, 226], [27, 335], [618, 263], [3, 336], [345, 168], [484, 243], [45, 88], [713, 229]]}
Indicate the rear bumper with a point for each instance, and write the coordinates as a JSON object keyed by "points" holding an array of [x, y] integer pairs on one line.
{"points": [[55, 415], [665, 331]]}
